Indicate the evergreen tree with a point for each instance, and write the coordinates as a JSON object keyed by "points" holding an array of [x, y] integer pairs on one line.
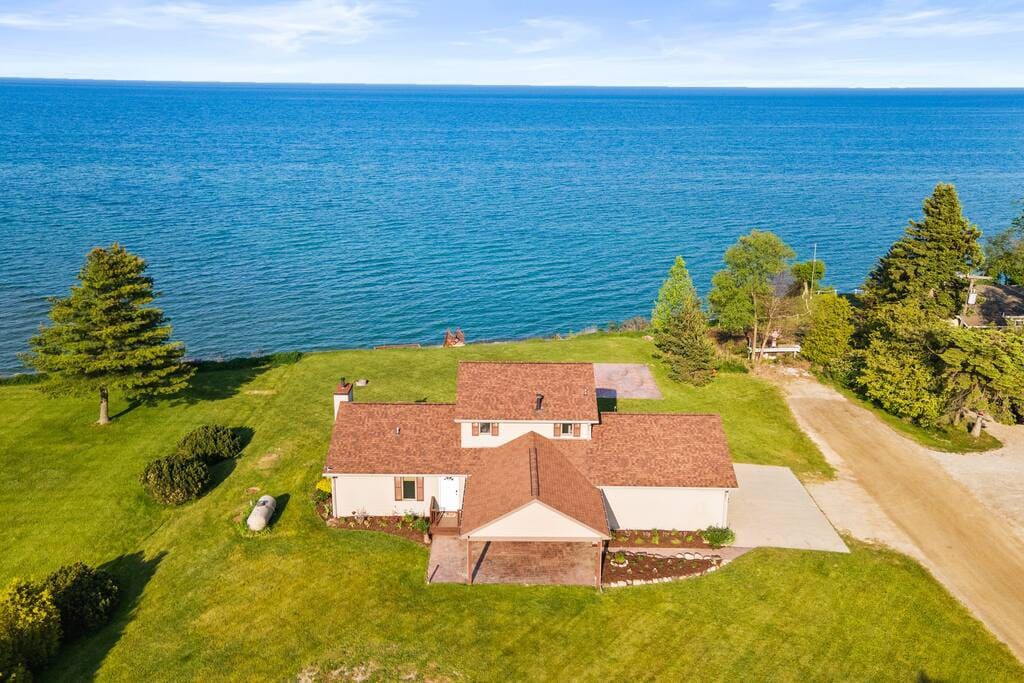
{"points": [[105, 335], [683, 339], [826, 343], [926, 264], [676, 293], [981, 370]]}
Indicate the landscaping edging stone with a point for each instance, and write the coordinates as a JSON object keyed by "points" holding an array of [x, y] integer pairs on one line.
{"points": [[717, 562]]}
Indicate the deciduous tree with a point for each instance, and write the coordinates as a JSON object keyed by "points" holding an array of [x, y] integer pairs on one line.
{"points": [[107, 336], [744, 296], [1004, 253]]}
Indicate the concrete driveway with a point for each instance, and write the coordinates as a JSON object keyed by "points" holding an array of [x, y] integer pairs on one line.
{"points": [[772, 508]]}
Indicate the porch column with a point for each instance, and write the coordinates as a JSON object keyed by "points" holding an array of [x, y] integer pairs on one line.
{"points": [[469, 563], [600, 567]]}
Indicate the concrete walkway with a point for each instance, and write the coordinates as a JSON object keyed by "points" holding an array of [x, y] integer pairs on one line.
{"points": [[772, 508]]}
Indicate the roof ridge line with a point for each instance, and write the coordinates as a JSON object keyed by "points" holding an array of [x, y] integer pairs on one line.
{"points": [[534, 478]]}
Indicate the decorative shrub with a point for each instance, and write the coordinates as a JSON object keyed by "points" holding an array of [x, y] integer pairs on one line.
{"points": [[324, 485], [211, 443], [656, 537], [85, 597], [29, 627], [175, 479], [421, 524], [718, 536]]}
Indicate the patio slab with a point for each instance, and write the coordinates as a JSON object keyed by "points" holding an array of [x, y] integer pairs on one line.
{"points": [[772, 508], [625, 380]]}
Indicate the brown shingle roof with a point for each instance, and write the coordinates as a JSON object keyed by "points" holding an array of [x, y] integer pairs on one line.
{"points": [[655, 450], [626, 449], [995, 301], [396, 438], [529, 468], [507, 391]]}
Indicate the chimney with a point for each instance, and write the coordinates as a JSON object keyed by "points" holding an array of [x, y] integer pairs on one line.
{"points": [[539, 402], [343, 394]]}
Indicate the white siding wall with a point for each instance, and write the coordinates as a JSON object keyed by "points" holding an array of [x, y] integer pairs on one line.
{"points": [[376, 495], [641, 507], [507, 431], [535, 521]]}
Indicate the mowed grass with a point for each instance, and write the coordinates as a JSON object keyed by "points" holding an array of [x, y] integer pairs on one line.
{"points": [[204, 602]]}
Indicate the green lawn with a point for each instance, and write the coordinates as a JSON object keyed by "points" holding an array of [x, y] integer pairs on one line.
{"points": [[204, 602]]}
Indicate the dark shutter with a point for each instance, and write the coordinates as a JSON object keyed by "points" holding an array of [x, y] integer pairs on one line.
{"points": [[576, 429], [419, 488], [476, 429], [398, 488], [494, 429], [558, 429]]}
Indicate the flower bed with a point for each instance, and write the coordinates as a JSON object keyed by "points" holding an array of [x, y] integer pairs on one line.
{"points": [[656, 538], [641, 567], [396, 526]]}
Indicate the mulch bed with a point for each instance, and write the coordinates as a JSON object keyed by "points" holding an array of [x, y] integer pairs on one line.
{"points": [[645, 538], [643, 567], [387, 525]]}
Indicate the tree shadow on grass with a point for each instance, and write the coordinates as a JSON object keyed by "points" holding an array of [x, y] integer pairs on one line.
{"points": [[218, 380], [218, 473], [82, 659], [244, 434]]}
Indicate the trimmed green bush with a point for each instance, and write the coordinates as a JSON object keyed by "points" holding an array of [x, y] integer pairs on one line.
{"points": [[175, 479], [212, 443], [29, 627], [718, 536], [85, 597]]}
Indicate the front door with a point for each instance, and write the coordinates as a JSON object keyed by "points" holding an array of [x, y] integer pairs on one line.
{"points": [[448, 494]]}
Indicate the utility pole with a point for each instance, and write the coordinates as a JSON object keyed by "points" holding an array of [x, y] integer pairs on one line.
{"points": [[814, 265]]}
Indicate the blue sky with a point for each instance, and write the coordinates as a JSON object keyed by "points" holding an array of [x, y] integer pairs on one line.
{"points": [[715, 42]]}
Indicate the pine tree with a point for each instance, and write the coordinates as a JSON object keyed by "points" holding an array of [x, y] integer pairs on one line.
{"points": [[928, 262], [683, 339], [676, 293], [105, 335]]}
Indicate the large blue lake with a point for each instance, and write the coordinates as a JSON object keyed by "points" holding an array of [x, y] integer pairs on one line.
{"points": [[304, 217]]}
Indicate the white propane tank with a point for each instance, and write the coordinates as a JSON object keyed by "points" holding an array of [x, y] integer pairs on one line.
{"points": [[260, 516]]}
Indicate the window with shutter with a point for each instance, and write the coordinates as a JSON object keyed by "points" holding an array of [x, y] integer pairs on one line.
{"points": [[419, 488], [558, 429], [398, 488], [567, 429], [410, 488], [494, 429], [576, 429], [485, 428], [476, 429]]}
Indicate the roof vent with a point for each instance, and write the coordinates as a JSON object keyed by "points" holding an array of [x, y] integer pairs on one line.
{"points": [[398, 431], [539, 402]]}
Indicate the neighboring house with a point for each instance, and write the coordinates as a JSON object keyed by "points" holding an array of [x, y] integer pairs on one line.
{"points": [[992, 304], [523, 455]]}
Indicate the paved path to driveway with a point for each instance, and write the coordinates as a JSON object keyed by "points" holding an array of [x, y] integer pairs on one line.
{"points": [[772, 508], [625, 380], [968, 547]]}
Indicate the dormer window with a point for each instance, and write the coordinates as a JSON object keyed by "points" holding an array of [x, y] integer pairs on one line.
{"points": [[538, 403]]}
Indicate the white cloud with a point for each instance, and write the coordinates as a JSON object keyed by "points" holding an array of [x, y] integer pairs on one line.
{"points": [[542, 34], [284, 25]]}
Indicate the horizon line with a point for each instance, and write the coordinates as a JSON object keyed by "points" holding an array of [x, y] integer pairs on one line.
{"points": [[505, 85]]}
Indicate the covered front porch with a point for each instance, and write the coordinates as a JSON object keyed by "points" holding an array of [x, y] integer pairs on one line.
{"points": [[567, 563]]}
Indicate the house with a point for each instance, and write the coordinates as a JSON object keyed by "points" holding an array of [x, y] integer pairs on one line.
{"points": [[525, 469], [991, 304]]}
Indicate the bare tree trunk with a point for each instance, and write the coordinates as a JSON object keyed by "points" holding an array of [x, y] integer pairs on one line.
{"points": [[754, 355], [104, 412]]}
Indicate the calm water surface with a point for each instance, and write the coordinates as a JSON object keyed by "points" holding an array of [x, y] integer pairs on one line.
{"points": [[304, 217]]}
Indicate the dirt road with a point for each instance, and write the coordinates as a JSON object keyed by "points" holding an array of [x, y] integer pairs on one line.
{"points": [[978, 557]]}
